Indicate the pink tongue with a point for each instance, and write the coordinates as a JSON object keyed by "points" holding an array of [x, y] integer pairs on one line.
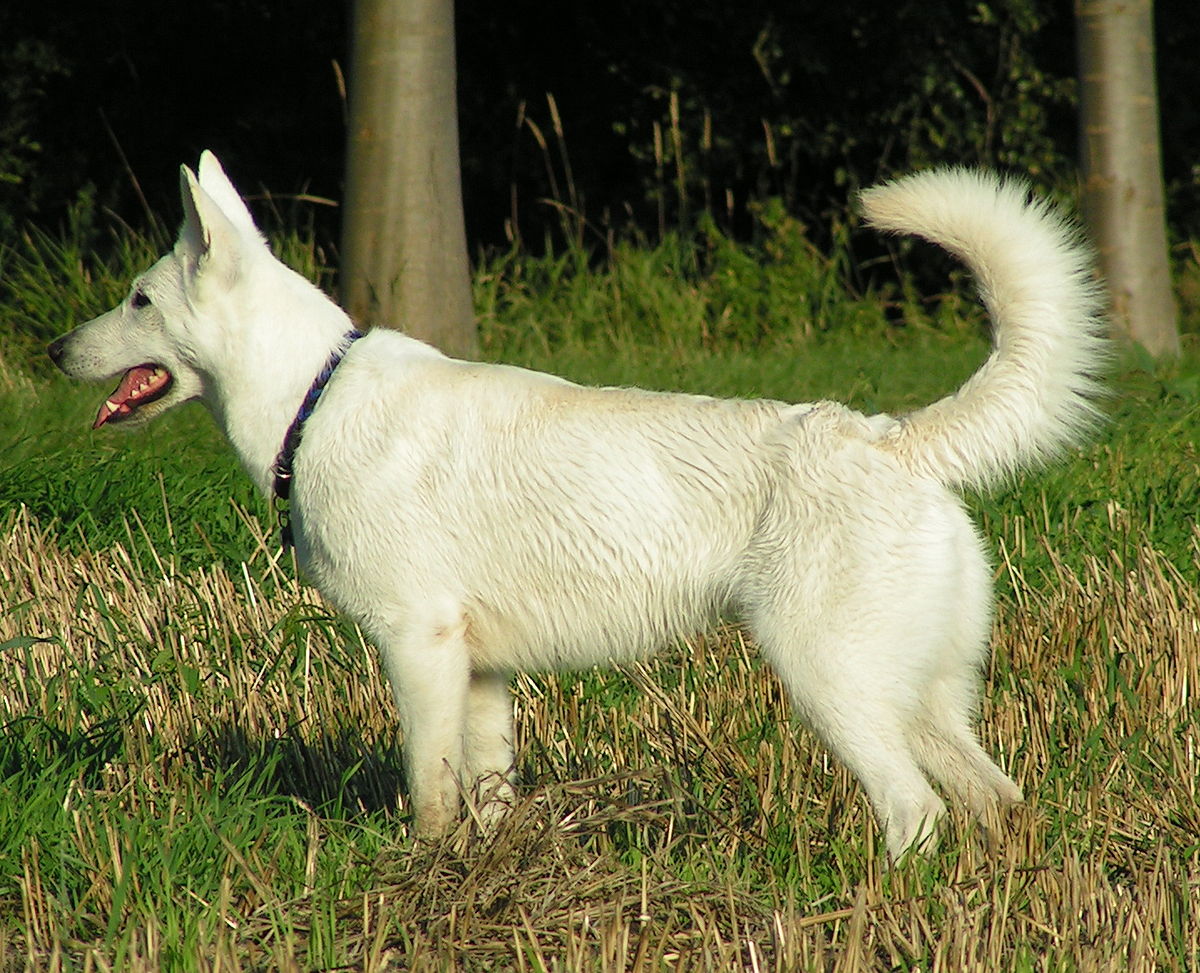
{"points": [[130, 389]]}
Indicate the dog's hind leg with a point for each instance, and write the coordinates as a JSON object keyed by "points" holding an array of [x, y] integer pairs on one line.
{"points": [[861, 717], [851, 678], [941, 732], [870, 742], [489, 754], [946, 747]]}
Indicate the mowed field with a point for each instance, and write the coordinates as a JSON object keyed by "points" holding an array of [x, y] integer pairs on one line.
{"points": [[200, 767]]}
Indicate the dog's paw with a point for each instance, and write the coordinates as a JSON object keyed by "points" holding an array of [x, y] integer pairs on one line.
{"points": [[493, 798]]}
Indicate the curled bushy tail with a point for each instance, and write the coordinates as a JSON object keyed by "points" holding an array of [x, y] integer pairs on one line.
{"points": [[1036, 393]]}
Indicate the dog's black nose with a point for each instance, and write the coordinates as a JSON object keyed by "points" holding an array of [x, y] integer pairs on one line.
{"points": [[55, 351]]}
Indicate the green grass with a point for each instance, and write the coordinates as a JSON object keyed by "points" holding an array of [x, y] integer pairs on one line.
{"points": [[199, 764]]}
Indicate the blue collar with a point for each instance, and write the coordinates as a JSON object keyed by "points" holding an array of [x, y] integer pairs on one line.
{"points": [[291, 441]]}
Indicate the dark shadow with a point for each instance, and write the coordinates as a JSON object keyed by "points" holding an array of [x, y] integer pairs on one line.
{"points": [[336, 775]]}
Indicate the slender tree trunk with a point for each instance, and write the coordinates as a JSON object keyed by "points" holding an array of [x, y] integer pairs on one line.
{"points": [[404, 249], [1122, 166]]}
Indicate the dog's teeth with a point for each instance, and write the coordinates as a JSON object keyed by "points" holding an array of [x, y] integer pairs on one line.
{"points": [[112, 406]]}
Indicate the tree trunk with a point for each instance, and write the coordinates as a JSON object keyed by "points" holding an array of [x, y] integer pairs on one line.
{"points": [[1122, 166], [404, 250]]}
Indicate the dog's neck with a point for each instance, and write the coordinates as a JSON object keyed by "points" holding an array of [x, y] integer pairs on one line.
{"points": [[255, 396], [285, 461]]}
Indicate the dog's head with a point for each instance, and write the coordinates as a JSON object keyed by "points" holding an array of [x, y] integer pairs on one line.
{"points": [[164, 336]]}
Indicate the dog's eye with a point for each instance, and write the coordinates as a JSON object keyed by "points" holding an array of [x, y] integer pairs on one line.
{"points": [[139, 299]]}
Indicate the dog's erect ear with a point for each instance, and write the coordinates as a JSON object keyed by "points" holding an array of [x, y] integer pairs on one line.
{"points": [[209, 240], [214, 182]]}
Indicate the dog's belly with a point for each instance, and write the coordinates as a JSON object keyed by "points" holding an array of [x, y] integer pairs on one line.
{"points": [[557, 572], [534, 602], [565, 626]]}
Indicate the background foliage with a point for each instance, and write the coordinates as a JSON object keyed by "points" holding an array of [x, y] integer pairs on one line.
{"points": [[666, 109]]}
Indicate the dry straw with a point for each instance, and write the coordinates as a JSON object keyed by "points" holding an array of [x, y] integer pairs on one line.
{"points": [[668, 820]]}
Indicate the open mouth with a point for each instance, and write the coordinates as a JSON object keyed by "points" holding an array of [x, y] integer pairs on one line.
{"points": [[139, 386]]}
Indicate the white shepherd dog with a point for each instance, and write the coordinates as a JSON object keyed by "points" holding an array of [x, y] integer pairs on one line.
{"points": [[476, 519]]}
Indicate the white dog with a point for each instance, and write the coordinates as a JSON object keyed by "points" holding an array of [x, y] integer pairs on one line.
{"points": [[475, 519]]}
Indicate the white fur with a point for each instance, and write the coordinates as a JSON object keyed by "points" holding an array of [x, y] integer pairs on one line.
{"points": [[475, 519]]}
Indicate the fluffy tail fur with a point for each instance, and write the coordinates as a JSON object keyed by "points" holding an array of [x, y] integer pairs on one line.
{"points": [[1036, 393]]}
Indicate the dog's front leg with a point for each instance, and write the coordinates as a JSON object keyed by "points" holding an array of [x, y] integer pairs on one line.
{"points": [[429, 671], [489, 754]]}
